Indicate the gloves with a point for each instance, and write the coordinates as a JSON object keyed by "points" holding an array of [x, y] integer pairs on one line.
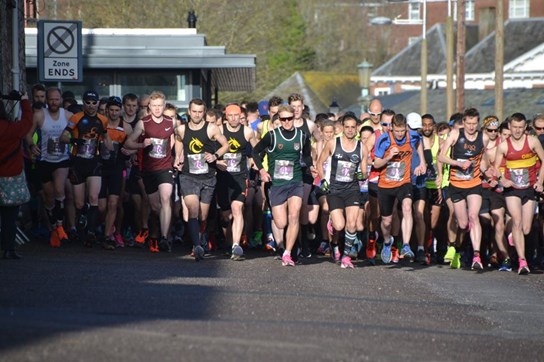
{"points": [[324, 186], [360, 176]]}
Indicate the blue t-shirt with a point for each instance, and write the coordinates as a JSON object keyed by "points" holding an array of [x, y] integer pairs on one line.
{"points": [[383, 143]]}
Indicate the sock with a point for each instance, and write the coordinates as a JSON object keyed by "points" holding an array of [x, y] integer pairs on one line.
{"points": [[58, 211], [476, 253], [286, 252], [193, 231], [202, 227], [50, 215], [304, 239], [420, 248], [91, 218], [349, 240]]}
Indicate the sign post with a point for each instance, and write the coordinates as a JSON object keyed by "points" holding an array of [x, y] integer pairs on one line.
{"points": [[60, 51]]}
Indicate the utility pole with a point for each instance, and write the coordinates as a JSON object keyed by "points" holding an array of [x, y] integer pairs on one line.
{"points": [[424, 59], [461, 46], [449, 62], [499, 59]]}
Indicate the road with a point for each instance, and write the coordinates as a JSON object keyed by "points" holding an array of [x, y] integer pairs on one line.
{"points": [[94, 305]]}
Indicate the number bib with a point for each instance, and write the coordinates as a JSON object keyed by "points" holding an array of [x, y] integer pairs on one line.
{"points": [[197, 164], [233, 161], [55, 147], [345, 171], [395, 171], [284, 170], [467, 174], [88, 149], [106, 154], [520, 177], [159, 148]]}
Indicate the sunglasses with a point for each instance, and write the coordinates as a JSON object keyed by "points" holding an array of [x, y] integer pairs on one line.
{"points": [[91, 103], [493, 130], [375, 114], [386, 124], [539, 128], [284, 119]]}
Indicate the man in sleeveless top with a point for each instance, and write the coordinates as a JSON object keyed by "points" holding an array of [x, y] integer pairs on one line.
{"points": [[285, 147], [232, 177], [196, 158], [467, 153], [347, 156], [154, 134], [393, 157], [523, 175], [85, 130], [52, 160]]}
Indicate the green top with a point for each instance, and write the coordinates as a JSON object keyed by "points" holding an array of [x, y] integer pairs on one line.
{"points": [[284, 158]]}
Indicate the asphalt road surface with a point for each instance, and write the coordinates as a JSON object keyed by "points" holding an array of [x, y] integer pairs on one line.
{"points": [[81, 304]]}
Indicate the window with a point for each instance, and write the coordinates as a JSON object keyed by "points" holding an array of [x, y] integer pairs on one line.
{"points": [[413, 11], [413, 39], [469, 10], [518, 9]]}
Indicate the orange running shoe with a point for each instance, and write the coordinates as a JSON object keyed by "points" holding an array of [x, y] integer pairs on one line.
{"points": [[142, 235], [153, 245], [371, 249], [54, 241], [394, 255], [63, 237]]}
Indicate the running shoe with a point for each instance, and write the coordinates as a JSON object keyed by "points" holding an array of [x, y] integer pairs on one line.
{"points": [[153, 245], [506, 265], [237, 253], [63, 237], [493, 262], [371, 249], [257, 239], [271, 245], [510, 239], [119, 242], [323, 248], [477, 263], [346, 263], [165, 245], [450, 254], [406, 252], [456, 261], [394, 255], [421, 258], [244, 242], [352, 251], [54, 240], [336, 253], [287, 261], [141, 237], [523, 267], [198, 252], [386, 252], [128, 237], [330, 229]]}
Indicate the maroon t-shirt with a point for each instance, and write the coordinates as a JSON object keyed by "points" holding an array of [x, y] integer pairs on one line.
{"points": [[158, 155]]}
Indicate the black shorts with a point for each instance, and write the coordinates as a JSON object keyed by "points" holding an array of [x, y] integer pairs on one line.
{"points": [[279, 194], [230, 188], [525, 195], [343, 199], [433, 197], [152, 180], [133, 182], [312, 196], [419, 193], [112, 182], [83, 168], [459, 194], [45, 169], [201, 187], [373, 189], [363, 199], [386, 197]]}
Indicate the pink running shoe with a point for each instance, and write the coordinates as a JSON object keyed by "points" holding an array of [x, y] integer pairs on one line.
{"points": [[119, 242], [477, 263], [336, 253], [523, 267], [329, 227], [287, 261], [346, 263]]}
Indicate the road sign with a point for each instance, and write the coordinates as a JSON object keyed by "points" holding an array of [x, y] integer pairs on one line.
{"points": [[60, 51]]}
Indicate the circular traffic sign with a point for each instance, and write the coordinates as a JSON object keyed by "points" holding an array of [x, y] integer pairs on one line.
{"points": [[60, 40]]}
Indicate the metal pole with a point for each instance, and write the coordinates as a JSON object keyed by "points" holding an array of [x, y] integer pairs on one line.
{"points": [[499, 60], [424, 60], [15, 70], [449, 63], [460, 81]]}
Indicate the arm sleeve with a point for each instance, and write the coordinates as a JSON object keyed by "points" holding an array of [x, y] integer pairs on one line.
{"points": [[259, 149], [382, 144]]}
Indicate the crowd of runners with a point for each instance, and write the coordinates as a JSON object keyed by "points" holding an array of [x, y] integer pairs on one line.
{"points": [[380, 186]]}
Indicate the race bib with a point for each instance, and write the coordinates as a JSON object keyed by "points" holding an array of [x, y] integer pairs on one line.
{"points": [[87, 149], [395, 171], [55, 147], [345, 171], [233, 161], [283, 170], [106, 154], [520, 177], [467, 174], [197, 164], [159, 148]]}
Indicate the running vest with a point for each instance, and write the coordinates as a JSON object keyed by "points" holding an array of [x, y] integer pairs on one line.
{"points": [[344, 164], [521, 165], [195, 144], [374, 172], [113, 158], [397, 172], [158, 155], [430, 159], [284, 157], [467, 150], [51, 149], [85, 127], [236, 157]]}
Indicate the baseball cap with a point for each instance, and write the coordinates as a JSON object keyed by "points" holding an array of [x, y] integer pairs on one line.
{"points": [[414, 120], [114, 101], [68, 95], [90, 95]]}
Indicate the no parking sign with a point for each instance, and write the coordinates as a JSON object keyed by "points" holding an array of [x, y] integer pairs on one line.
{"points": [[60, 51]]}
